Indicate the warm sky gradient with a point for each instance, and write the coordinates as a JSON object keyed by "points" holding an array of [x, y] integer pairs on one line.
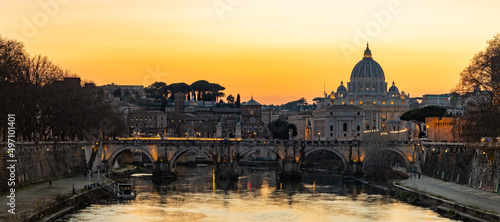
{"points": [[275, 50]]}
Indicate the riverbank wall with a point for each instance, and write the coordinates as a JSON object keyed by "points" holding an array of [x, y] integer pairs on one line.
{"points": [[39, 161], [476, 165]]}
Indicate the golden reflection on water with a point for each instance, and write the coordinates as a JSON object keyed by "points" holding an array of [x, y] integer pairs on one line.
{"points": [[270, 205], [255, 197]]}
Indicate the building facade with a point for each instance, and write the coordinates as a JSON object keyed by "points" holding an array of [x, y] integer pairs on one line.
{"points": [[338, 122], [149, 122], [110, 89], [303, 122], [251, 120], [367, 89], [441, 129]]}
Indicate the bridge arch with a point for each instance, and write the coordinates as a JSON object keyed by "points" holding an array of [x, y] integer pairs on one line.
{"points": [[370, 155], [178, 153], [132, 149], [333, 150]]}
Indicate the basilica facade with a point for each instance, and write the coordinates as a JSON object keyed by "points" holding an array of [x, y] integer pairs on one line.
{"points": [[367, 90]]}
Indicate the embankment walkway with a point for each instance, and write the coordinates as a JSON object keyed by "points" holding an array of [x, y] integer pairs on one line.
{"points": [[36, 197], [460, 194]]}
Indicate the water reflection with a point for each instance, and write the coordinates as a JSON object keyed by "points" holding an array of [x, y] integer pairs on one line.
{"points": [[257, 195]]}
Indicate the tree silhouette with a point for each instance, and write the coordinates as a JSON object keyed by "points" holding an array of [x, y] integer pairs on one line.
{"points": [[230, 99], [480, 86], [117, 92], [280, 128], [238, 102], [46, 106], [156, 90], [200, 87]]}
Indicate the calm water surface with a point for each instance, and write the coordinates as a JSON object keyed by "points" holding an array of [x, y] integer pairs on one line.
{"points": [[256, 196]]}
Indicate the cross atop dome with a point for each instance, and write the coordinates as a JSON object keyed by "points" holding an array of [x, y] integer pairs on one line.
{"points": [[368, 52]]}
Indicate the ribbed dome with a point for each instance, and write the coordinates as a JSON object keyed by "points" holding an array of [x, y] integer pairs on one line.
{"points": [[367, 69], [341, 87], [393, 88]]}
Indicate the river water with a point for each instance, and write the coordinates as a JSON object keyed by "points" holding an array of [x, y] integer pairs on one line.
{"points": [[256, 196]]}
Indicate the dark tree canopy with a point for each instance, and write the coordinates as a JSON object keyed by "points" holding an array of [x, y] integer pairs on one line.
{"points": [[200, 90], [280, 128], [480, 86], [238, 102], [179, 87], [156, 90], [297, 105], [230, 99], [46, 106], [117, 92], [419, 115]]}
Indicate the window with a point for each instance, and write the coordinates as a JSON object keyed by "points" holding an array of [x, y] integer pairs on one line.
{"points": [[374, 102], [358, 113], [351, 102], [344, 127], [343, 103], [360, 102], [331, 113], [331, 134], [256, 129], [392, 103], [252, 120], [383, 102], [358, 128], [244, 128], [331, 128], [251, 112], [261, 129]]}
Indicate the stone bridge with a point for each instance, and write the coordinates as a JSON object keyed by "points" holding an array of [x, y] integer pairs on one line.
{"points": [[227, 153]]}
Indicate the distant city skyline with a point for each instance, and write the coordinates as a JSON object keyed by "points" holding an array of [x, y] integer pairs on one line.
{"points": [[278, 51]]}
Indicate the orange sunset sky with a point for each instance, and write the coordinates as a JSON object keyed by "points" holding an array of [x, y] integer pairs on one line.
{"points": [[275, 50]]}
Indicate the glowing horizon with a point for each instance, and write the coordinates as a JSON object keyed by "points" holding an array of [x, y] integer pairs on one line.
{"points": [[277, 51]]}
